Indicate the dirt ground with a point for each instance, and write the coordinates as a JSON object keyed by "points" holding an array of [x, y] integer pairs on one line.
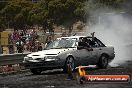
{"points": [[57, 79]]}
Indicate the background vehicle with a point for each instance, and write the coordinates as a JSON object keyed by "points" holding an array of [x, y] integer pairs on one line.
{"points": [[65, 51]]}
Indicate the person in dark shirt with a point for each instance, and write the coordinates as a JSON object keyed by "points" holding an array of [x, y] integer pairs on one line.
{"points": [[83, 43], [33, 45], [49, 40], [40, 47], [19, 44]]}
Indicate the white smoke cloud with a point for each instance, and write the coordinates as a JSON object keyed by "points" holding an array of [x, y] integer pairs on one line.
{"points": [[114, 29]]}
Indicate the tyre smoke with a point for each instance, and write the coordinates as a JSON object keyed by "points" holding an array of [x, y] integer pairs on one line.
{"points": [[114, 29]]}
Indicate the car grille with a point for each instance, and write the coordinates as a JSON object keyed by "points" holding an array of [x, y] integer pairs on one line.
{"points": [[38, 59], [35, 55]]}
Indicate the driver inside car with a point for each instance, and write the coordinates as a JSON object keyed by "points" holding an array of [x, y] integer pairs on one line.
{"points": [[84, 43]]}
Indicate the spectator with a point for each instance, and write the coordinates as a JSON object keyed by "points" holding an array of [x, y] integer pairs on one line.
{"points": [[16, 35], [11, 48], [49, 40], [33, 34], [28, 44], [22, 33], [23, 36], [36, 46], [19, 44], [40, 48], [33, 45]]}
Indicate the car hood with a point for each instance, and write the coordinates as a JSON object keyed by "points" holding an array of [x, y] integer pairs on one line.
{"points": [[47, 52]]}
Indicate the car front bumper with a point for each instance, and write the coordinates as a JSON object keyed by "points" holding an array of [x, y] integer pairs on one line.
{"points": [[45, 64]]}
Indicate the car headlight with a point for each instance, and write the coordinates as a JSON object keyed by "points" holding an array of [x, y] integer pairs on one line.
{"points": [[51, 58], [28, 58]]}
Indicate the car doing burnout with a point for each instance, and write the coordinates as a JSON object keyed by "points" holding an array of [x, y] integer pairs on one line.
{"points": [[64, 51]]}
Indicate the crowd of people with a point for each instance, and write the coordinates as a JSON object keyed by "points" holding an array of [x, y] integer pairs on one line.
{"points": [[21, 41], [25, 41]]}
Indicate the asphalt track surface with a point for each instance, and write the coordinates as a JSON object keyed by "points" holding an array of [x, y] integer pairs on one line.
{"points": [[57, 79]]}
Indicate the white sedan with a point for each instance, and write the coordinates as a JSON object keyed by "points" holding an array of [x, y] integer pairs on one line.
{"points": [[64, 51]]}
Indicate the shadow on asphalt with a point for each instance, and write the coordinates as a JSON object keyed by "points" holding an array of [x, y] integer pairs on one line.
{"points": [[60, 71], [55, 72], [52, 72]]}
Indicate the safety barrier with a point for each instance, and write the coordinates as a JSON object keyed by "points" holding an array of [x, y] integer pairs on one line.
{"points": [[12, 58], [11, 62]]}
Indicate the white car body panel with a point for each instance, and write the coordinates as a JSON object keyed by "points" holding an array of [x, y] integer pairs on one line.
{"points": [[82, 56]]}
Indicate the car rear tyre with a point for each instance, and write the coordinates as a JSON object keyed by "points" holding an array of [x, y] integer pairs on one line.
{"points": [[103, 61], [36, 71], [69, 65]]}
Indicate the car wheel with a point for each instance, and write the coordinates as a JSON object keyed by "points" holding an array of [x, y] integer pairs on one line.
{"points": [[36, 71], [69, 65], [103, 61]]}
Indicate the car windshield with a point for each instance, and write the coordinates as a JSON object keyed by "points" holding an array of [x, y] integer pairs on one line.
{"points": [[62, 43]]}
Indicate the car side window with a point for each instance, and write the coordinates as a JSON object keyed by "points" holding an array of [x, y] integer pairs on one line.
{"points": [[95, 44], [92, 44]]}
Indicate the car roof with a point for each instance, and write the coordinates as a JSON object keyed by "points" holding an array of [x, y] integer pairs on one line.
{"points": [[77, 37], [73, 37]]}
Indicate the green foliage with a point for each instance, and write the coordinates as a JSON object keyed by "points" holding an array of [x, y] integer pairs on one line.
{"points": [[21, 13], [15, 13]]}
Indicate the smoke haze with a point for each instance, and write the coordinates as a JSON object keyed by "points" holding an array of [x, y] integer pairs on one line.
{"points": [[114, 29]]}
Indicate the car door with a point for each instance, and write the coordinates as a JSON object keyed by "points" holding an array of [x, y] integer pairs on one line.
{"points": [[97, 50], [83, 55], [94, 53]]}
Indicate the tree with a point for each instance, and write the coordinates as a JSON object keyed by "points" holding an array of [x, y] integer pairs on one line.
{"points": [[16, 13], [45, 13]]}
